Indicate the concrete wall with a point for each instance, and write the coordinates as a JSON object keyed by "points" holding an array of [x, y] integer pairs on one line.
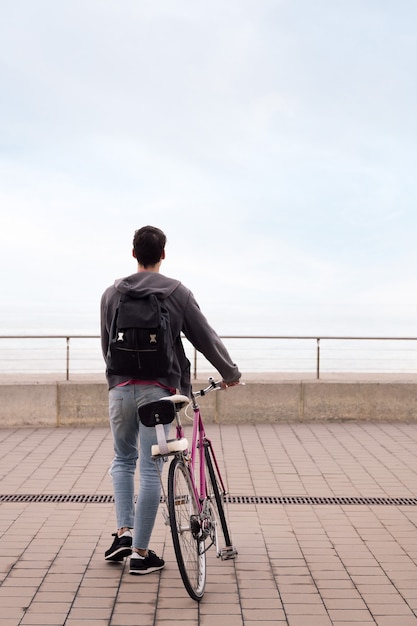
{"points": [[85, 403]]}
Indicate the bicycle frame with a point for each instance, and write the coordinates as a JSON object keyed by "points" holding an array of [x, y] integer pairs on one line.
{"points": [[199, 441]]}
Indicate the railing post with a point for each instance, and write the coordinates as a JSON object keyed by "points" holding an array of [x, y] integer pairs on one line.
{"points": [[318, 359], [67, 358]]}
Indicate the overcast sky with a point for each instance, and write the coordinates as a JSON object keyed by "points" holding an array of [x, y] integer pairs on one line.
{"points": [[274, 141]]}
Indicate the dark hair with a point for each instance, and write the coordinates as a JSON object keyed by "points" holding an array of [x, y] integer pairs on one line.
{"points": [[148, 244]]}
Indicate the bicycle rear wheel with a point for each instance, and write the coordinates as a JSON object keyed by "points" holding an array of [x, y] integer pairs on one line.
{"points": [[216, 496], [186, 529]]}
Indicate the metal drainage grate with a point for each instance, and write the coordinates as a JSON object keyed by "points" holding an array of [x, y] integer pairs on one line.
{"points": [[63, 497], [312, 500], [339, 500]]}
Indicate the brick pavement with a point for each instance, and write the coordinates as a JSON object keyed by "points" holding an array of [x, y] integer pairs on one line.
{"points": [[299, 564]]}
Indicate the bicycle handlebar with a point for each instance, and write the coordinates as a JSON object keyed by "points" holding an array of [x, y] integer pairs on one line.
{"points": [[214, 384]]}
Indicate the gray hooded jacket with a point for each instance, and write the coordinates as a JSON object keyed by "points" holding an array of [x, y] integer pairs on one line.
{"points": [[185, 317]]}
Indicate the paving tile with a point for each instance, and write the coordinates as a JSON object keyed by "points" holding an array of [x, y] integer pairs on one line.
{"points": [[186, 614], [346, 604], [351, 615], [308, 610], [257, 622], [90, 622], [213, 620], [141, 619], [258, 603], [220, 609], [263, 615], [313, 620], [178, 622], [397, 608], [395, 620], [369, 622], [43, 619]]}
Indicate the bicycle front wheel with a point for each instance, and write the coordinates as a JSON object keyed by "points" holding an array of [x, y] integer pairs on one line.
{"points": [[186, 532]]}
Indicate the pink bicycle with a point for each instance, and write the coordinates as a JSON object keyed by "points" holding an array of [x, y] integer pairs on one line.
{"points": [[196, 496]]}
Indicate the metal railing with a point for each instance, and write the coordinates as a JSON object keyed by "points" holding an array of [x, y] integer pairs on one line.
{"points": [[254, 353], [46, 338], [338, 338]]}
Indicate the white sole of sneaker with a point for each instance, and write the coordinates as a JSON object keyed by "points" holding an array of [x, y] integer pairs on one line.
{"points": [[138, 572]]}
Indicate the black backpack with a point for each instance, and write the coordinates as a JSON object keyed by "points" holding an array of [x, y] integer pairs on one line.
{"points": [[140, 341]]}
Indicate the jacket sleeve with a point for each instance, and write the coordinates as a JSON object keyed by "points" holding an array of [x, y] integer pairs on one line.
{"points": [[108, 306], [205, 339], [104, 329]]}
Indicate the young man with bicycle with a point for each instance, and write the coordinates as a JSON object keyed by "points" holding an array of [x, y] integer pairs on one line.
{"points": [[131, 439]]}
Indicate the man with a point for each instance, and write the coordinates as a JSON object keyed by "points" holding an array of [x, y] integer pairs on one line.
{"points": [[126, 395]]}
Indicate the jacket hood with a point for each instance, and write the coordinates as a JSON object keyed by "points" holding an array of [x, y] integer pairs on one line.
{"points": [[143, 284]]}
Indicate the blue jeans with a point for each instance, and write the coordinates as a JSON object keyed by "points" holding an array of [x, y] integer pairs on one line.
{"points": [[130, 436]]}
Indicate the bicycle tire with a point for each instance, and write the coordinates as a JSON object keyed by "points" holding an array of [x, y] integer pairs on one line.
{"points": [[184, 522], [216, 500]]}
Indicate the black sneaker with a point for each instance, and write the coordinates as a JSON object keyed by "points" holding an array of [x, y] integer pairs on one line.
{"points": [[145, 564], [121, 547]]}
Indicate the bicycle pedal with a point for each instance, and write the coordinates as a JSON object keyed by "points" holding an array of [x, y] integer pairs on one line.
{"points": [[228, 553]]}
